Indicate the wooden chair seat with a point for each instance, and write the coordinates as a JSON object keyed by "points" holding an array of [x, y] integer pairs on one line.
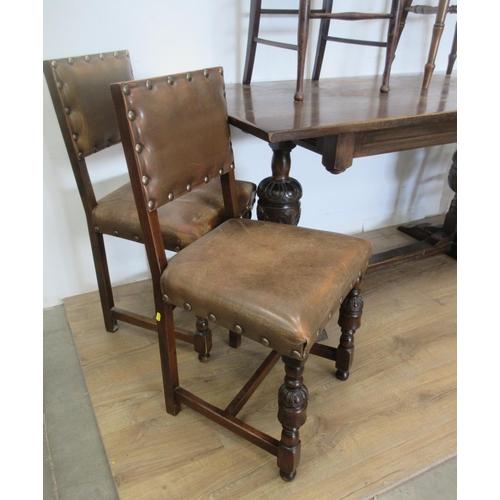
{"points": [[182, 222], [235, 277]]}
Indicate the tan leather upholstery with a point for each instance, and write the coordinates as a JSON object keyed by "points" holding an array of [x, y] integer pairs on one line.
{"points": [[83, 84], [276, 282], [170, 165], [182, 221]]}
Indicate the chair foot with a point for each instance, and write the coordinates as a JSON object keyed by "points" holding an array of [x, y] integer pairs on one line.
{"points": [[349, 321], [384, 89], [287, 477], [299, 96]]}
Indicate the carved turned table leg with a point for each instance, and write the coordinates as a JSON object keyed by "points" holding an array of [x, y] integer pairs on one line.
{"points": [[440, 234], [349, 321], [279, 195], [292, 414]]}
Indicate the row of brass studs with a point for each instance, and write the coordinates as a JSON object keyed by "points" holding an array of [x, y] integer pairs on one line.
{"points": [[87, 58], [170, 81], [115, 233]]}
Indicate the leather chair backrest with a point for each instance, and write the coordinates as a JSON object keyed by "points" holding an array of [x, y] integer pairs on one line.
{"points": [[79, 88], [179, 129]]}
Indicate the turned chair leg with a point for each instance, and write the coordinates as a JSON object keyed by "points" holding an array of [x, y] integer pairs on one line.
{"points": [[292, 414], [453, 54], [253, 32], [202, 339], [302, 38], [392, 43], [349, 321]]}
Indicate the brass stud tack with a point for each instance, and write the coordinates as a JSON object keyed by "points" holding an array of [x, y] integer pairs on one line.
{"points": [[341, 300], [189, 77], [67, 111], [131, 116], [232, 166], [330, 315], [264, 342], [212, 318], [115, 233], [96, 229], [221, 71], [75, 137], [187, 306], [149, 84], [296, 355], [170, 196], [59, 85], [170, 80], [206, 179], [70, 60], [189, 187], [151, 204], [108, 144], [221, 171], [177, 249], [115, 54], [237, 329], [126, 53], [87, 58], [101, 57], [145, 180], [165, 297], [138, 148], [126, 89], [206, 72], [95, 149], [54, 64], [80, 155], [136, 238]]}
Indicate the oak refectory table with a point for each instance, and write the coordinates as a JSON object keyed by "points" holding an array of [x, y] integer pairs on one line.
{"points": [[342, 119]]}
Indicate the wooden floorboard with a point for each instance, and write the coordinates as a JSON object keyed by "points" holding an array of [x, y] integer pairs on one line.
{"points": [[394, 418]]}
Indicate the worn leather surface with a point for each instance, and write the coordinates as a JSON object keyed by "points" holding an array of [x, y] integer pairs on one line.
{"points": [[182, 221], [83, 84], [179, 131], [275, 281]]}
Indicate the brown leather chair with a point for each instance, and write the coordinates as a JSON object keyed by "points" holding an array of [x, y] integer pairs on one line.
{"points": [[276, 284], [79, 87], [394, 18]]}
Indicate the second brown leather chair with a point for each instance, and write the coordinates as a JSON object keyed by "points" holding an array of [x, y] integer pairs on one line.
{"points": [[79, 87]]}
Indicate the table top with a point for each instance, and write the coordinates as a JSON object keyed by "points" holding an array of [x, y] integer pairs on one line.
{"points": [[339, 105]]}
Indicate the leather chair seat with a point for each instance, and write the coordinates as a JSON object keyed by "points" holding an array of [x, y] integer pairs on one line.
{"points": [[229, 276], [182, 221]]}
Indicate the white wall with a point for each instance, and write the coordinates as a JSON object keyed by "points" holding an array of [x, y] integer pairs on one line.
{"points": [[170, 36]]}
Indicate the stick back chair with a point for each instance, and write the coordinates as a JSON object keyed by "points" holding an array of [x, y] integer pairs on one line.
{"points": [[276, 284], [394, 18], [441, 10], [79, 88]]}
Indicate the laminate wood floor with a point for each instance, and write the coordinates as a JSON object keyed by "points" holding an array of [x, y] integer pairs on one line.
{"points": [[393, 419]]}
